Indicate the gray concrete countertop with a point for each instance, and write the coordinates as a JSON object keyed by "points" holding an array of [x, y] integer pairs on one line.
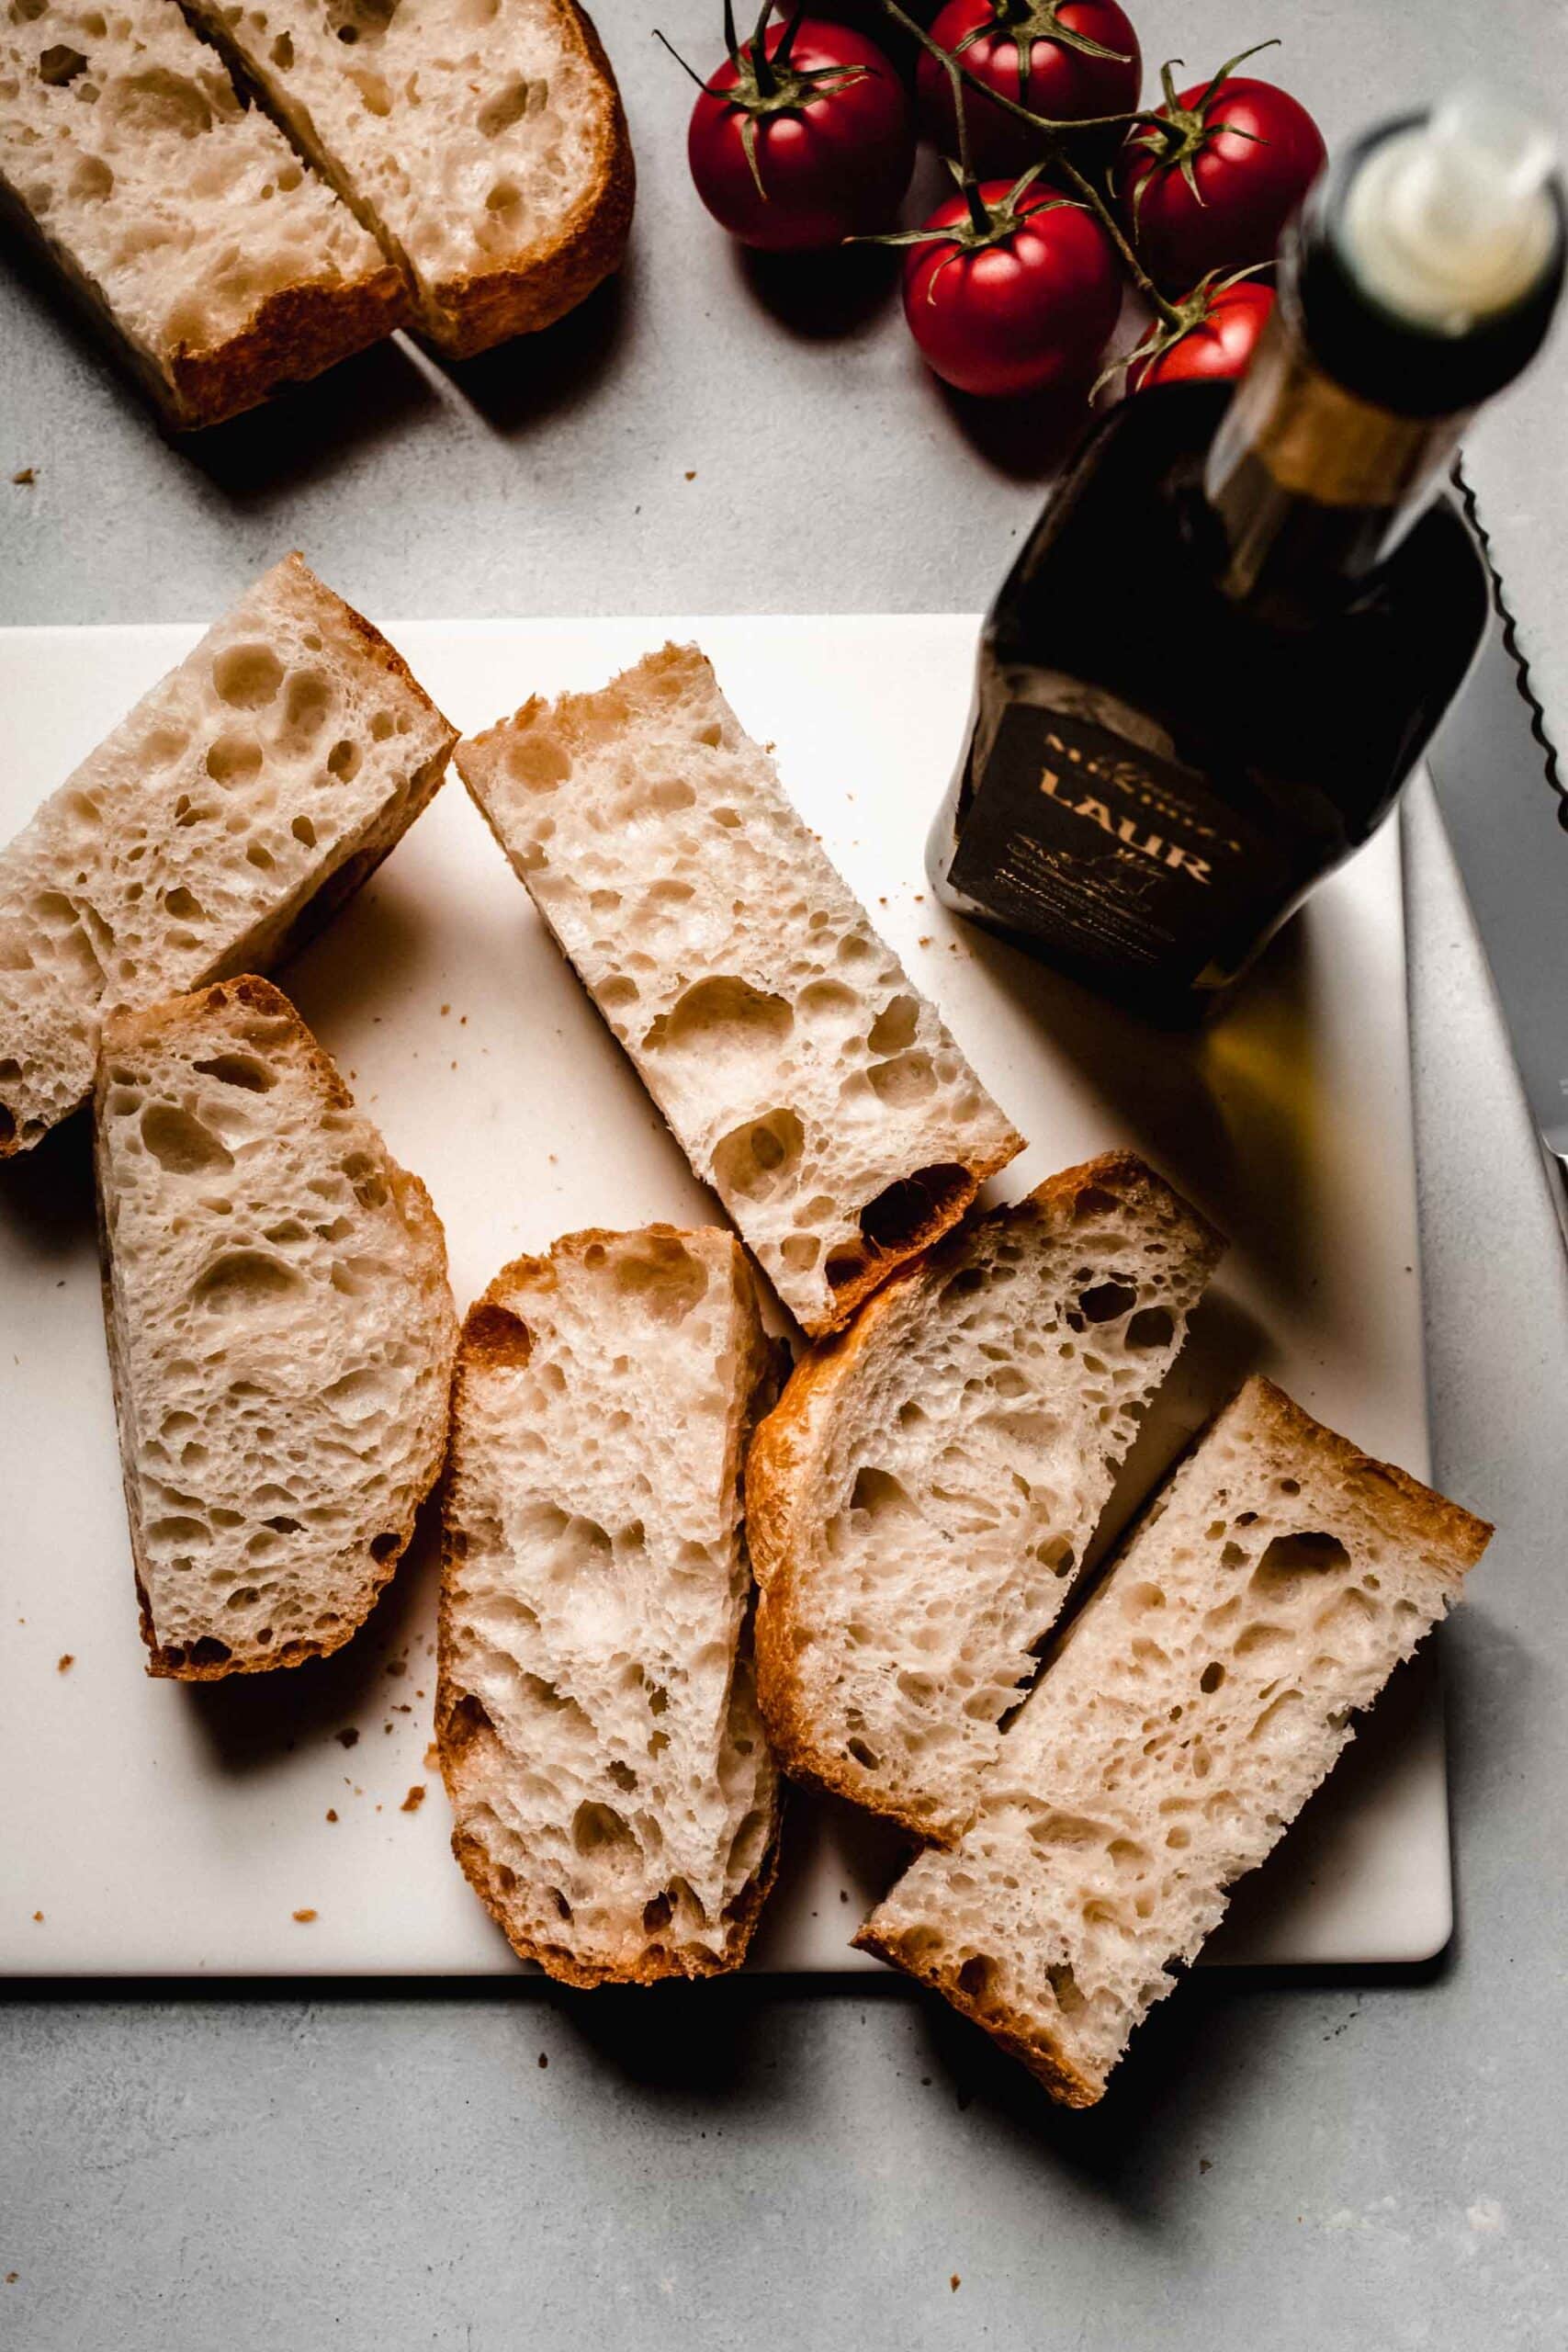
{"points": [[1312, 2164]]}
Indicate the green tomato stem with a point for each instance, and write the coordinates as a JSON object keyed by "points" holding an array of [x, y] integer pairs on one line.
{"points": [[958, 73]]}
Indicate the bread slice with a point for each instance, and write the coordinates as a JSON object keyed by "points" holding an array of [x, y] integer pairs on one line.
{"points": [[240, 802], [280, 1327], [1198, 1699], [181, 217], [922, 1497], [804, 1077], [484, 146], [616, 1805]]}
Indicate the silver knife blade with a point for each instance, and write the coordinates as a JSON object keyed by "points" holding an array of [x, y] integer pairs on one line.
{"points": [[1504, 800]]}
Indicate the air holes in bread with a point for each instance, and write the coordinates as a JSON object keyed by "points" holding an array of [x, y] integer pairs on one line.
{"points": [[760, 1159], [181, 1144], [234, 761], [722, 1017], [247, 1282], [247, 676], [1107, 1302], [895, 1027], [503, 108], [497, 1334], [1288, 1558], [245, 1071], [465, 1719], [662, 1277], [60, 65], [537, 761]]}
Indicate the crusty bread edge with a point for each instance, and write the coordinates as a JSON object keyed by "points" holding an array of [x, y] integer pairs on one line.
{"points": [[781, 1455], [292, 334], [1045, 2057], [418, 1213], [473, 310], [483, 1339], [1417, 1513], [472, 313]]}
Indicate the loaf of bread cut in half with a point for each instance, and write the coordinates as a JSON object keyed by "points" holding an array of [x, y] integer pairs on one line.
{"points": [[182, 218], [242, 801], [616, 1807], [921, 1499], [280, 1328], [804, 1078], [1199, 1698], [481, 142]]}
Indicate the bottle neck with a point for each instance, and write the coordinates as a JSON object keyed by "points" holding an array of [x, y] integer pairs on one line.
{"points": [[1312, 485]]}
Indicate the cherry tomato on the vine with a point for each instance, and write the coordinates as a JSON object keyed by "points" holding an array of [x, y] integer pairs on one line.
{"points": [[1063, 59], [1027, 303], [1214, 186], [1216, 348], [802, 138]]}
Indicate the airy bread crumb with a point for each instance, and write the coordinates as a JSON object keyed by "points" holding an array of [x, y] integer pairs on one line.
{"points": [[1200, 1697], [181, 217], [806, 1079], [616, 1803], [226, 816], [281, 1333], [921, 1500]]}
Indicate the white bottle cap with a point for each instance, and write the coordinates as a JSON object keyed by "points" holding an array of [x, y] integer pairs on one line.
{"points": [[1451, 221]]}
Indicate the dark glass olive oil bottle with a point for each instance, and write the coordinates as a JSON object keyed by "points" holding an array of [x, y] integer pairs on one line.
{"points": [[1242, 616]]}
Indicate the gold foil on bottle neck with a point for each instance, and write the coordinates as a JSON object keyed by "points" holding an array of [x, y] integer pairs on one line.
{"points": [[1319, 441]]}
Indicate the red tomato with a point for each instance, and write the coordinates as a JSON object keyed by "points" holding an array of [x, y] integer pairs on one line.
{"points": [[828, 129], [1033, 308], [1253, 150], [1030, 51], [1219, 348]]}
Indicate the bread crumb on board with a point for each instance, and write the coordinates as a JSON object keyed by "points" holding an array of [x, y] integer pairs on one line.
{"points": [[415, 1798], [38, 1916], [955, 2283], [67, 1661], [347, 1738], [543, 2060], [304, 1917], [332, 1813], [24, 478]]}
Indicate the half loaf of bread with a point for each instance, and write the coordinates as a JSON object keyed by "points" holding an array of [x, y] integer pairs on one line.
{"points": [[616, 1807], [806, 1080], [280, 1327], [1199, 1698], [922, 1497], [245, 797], [481, 142], [181, 218]]}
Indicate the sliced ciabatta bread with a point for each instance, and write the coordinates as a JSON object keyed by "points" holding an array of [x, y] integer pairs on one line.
{"points": [[922, 1497], [806, 1079], [181, 218], [482, 141], [280, 1327], [1198, 1699], [616, 1807], [242, 801]]}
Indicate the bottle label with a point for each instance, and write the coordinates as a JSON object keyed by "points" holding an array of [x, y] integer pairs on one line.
{"points": [[1104, 851]]}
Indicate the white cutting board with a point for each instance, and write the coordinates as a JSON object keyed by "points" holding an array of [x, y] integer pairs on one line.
{"points": [[159, 1830]]}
